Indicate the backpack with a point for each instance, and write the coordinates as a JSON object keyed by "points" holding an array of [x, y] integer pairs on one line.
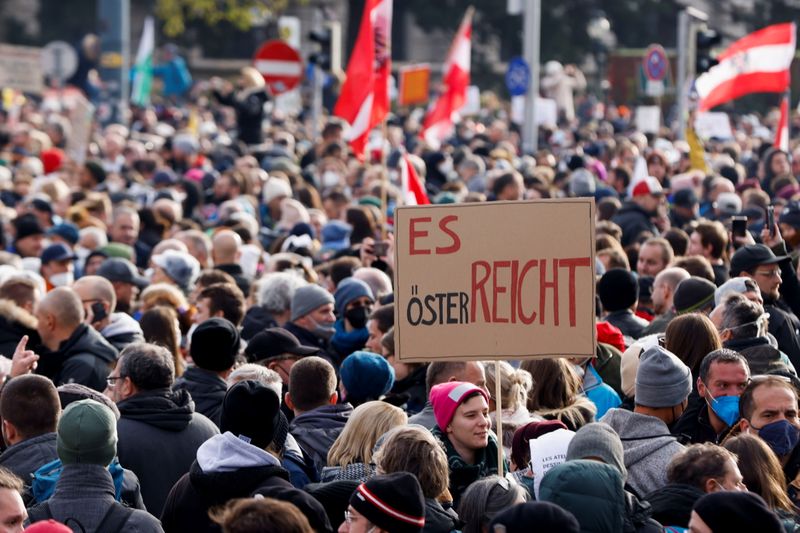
{"points": [[113, 521], [46, 477]]}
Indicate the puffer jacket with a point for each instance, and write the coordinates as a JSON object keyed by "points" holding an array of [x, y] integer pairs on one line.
{"points": [[122, 330]]}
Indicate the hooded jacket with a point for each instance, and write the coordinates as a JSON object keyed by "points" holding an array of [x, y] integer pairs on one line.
{"points": [[438, 519], [207, 390], [633, 220], [15, 322], [672, 505], [84, 494], [84, 358], [159, 434], [573, 416], [316, 430], [594, 493], [761, 355], [648, 445], [122, 330], [226, 468]]}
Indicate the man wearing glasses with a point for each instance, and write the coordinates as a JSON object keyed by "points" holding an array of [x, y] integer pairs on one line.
{"points": [[758, 262]]}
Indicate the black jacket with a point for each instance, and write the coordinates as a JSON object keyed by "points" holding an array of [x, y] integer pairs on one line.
{"points": [[24, 458], [159, 434], [85, 358], [672, 504], [15, 323], [249, 107], [784, 326], [307, 338], [195, 493], [695, 425], [438, 519], [410, 391], [633, 220], [256, 320], [236, 272], [207, 390], [630, 324], [760, 354]]}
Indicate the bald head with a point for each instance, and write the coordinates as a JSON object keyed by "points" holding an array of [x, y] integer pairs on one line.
{"points": [[664, 287], [64, 307], [95, 288], [226, 247], [378, 280]]}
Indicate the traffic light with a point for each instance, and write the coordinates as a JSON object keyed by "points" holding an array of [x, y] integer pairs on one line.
{"points": [[322, 56], [705, 41]]}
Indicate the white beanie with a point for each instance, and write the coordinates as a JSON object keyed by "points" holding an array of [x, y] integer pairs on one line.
{"points": [[275, 187]]}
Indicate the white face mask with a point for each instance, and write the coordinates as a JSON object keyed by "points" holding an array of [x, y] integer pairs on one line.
{"points": [[82, 253], [330, 179], [62, 279]]}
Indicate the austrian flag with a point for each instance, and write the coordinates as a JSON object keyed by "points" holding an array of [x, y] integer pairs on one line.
{"points": [[757, 63]]}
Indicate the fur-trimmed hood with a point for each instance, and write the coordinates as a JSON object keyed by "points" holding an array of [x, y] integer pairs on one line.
{"points": [[16, 314]]}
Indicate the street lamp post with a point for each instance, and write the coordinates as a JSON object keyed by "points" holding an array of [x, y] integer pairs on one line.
{"points": [[603, 39]]}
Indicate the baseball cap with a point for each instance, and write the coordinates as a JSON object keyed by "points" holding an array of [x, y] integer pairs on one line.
{"points": [[685, 198], [119, 269], [648, 185], [728, 203], [276, 342], [57, 252], [750, 256]]}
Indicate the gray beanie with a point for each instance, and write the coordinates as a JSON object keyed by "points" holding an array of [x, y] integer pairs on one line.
{"points": [[598, 439], [308, 298], [662, 379]]}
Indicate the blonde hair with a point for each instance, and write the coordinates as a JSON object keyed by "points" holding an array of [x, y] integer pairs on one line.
{"points": [[415, 450], [515, 384], [164, 294], [365, 426], [252, 78]]}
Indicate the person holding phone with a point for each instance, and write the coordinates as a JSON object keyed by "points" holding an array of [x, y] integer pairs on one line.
{"points": [[99, 302]]}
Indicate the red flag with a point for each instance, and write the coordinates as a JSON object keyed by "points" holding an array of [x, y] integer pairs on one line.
{"points": [[438, 124], [756, 63], [414, 193], [364, 100], [782, 131]]}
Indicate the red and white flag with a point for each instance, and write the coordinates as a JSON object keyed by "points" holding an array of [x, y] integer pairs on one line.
{"points": [[413, 191], [757, 63], [439, 122], [364, 99], [782, 131]]}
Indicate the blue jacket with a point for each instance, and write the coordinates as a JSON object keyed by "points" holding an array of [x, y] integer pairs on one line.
{"points": [[601, 395]]}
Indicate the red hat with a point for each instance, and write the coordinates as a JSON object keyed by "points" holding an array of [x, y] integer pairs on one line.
{"points": [[52, 159], [608, 333], [48, 526], [446, 397], [648, 185]]}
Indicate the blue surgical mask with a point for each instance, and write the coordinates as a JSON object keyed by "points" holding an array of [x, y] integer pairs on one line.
{"points": [[726, 408], [781, 436]]}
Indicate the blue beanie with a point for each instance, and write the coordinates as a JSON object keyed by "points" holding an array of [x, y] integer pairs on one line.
{"points": [[348, 290], [366, 376]]}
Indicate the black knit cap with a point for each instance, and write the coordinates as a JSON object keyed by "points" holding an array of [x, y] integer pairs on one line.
{"points": [[215, 344], [250, 411], [541, 516], [693, 295], [618, 289], [737, 511], [25, 226], [393, 502], [334, 496]]}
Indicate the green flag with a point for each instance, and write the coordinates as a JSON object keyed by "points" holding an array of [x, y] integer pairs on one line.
{"points": [[143, 70]]}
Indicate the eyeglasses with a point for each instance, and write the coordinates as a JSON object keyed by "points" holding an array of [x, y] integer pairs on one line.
{"points": [[769, 273], [112, 381]]}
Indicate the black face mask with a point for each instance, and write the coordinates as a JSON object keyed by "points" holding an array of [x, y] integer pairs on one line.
{"points": [[357, 317]]}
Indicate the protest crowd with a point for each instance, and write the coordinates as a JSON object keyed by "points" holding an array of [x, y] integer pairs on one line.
{"points": [[197, 321]]}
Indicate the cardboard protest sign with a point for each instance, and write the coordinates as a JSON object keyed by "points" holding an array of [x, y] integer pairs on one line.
{"points": [[495, 280], [21, 68]]}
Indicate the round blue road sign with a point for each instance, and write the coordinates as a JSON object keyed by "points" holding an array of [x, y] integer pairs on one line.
{"points": [[518, 76], [655, 63]]}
